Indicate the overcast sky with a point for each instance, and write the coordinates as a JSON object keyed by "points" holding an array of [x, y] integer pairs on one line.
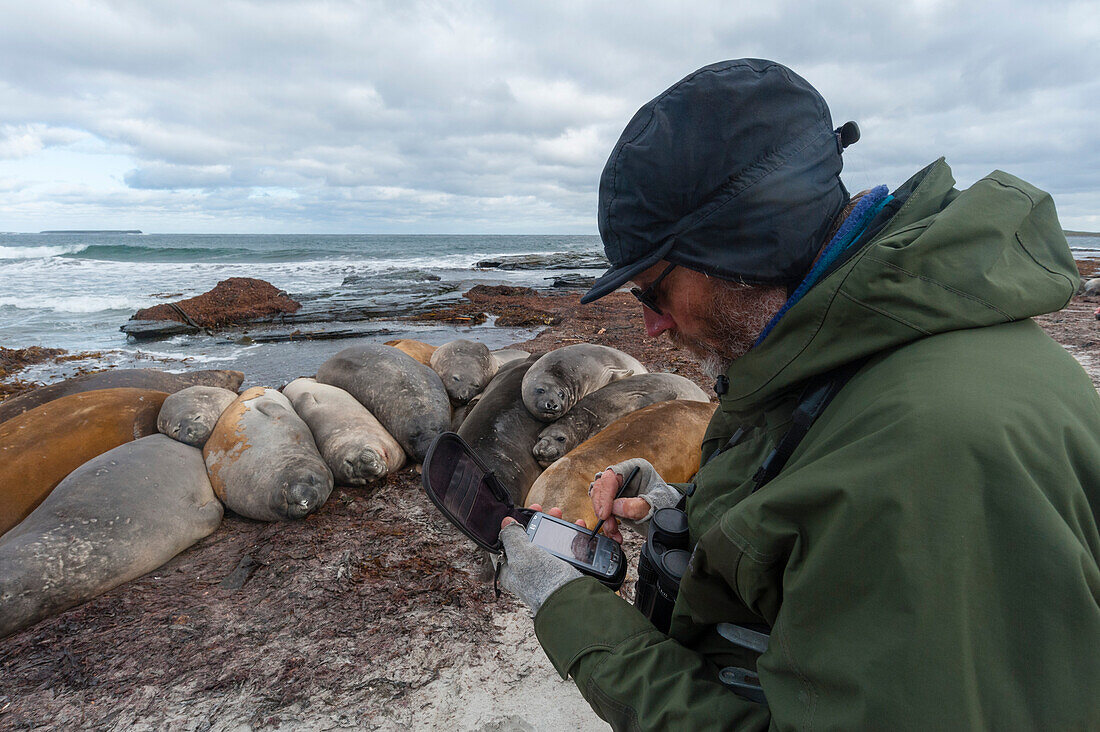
{"points": [[495, 117]]}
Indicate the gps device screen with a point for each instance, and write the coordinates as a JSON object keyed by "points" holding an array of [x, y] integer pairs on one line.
{"points": [[567, 541]]}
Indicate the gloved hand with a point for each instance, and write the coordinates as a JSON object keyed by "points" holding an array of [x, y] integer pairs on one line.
{"points": [[645, 494], [530, 572]]}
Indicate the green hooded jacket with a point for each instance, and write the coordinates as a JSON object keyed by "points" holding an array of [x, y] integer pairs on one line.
{"points": [[928, 557]]}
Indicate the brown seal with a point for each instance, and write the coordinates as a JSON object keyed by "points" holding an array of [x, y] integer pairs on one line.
{"points": [[667, 434], [40, 447], [605, 405], [355, 445], [113, 519], [119, 378], [262, 459], [419, 350]]}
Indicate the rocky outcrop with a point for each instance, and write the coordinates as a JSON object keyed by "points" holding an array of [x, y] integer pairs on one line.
{"points": [[232, 301]]}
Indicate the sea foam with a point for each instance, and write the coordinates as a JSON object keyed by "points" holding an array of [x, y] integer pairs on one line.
{"points": [[76, 303], [42, 252]]}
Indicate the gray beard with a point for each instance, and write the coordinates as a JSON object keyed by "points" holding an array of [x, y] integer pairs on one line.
{"points": [[735, 318]]}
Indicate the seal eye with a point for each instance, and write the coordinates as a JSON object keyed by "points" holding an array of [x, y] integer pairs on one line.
{"points": [[559, 438], [540, 390], [455, 377], [561, 394]]}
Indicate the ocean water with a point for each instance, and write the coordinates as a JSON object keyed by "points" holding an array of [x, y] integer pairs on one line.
{"points": [[1084, 246], [74, 291]]}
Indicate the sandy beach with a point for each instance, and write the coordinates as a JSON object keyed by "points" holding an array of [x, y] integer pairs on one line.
{"points": [[366, 615]]}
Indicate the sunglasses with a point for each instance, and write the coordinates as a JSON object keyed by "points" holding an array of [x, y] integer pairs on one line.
{"points": [[648, 296]]}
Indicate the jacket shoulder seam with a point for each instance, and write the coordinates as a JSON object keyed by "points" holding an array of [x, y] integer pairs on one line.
{"points": [[949, 288]]}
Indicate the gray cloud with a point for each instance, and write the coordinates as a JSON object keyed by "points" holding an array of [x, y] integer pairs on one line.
{"points": [[498, 116]]}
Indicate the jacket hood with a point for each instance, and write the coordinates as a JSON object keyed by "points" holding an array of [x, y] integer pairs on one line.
{"points": [[945, 260]]}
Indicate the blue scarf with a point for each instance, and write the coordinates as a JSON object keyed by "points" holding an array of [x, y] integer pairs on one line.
{"points": [[864, 212]]}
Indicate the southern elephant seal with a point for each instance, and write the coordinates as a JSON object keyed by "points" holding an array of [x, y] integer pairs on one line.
{"points": [[506, 356], [419, 350], [406, 396], [562, 377], [667, 434], [502, 432], [113, 519], [119, 378], [40, 447], [189, 415], [262, 460], [354, 444], [465, 368], [1091, 287], [605, 405], [458, 416]]}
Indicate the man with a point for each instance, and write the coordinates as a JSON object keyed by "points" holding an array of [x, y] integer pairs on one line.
{"points": [[927, 555]]}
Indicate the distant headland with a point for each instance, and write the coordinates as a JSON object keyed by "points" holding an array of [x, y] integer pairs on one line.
{"points": [[92, 231]]}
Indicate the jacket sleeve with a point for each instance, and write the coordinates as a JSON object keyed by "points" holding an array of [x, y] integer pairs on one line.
{"points": [[634, 676]]}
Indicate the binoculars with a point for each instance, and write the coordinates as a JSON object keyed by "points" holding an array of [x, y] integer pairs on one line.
{"points": [[661, 564]]}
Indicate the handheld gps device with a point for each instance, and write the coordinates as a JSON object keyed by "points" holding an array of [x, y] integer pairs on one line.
{"points": [[592, 554], [473, 499]]}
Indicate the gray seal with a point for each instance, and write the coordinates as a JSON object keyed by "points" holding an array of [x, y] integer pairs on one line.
{"points": [[507, 356], [116, 517], [603, 406], [465, 368], [189, 415], [115, 379], [563, 377], [355, 445], [406, 396], [262, 460], [502, 432]]}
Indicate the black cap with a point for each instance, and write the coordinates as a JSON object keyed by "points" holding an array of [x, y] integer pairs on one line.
{"points": [[734, 171]]}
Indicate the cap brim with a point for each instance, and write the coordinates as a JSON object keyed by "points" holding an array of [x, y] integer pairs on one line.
{"points": [[616, 277]]}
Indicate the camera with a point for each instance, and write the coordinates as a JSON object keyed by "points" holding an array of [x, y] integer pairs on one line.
{"points": [[662, 562]]}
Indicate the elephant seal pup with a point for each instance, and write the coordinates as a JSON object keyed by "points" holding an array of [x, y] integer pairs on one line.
{"points": [[667, 434], [419, 350], [1091, 287], [604, 406], [406, 396], [40, 447], [506, 356], [458, 416], [465, 367], [113, 519], [190, 414], [502, 432], [354, 444], [564, 376], [262, 460], [118, 378]]}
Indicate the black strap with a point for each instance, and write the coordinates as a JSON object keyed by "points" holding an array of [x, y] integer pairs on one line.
{"points": [[811, 404]]}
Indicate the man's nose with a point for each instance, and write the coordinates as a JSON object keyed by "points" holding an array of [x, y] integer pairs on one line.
{"points": [[656, 324]]}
